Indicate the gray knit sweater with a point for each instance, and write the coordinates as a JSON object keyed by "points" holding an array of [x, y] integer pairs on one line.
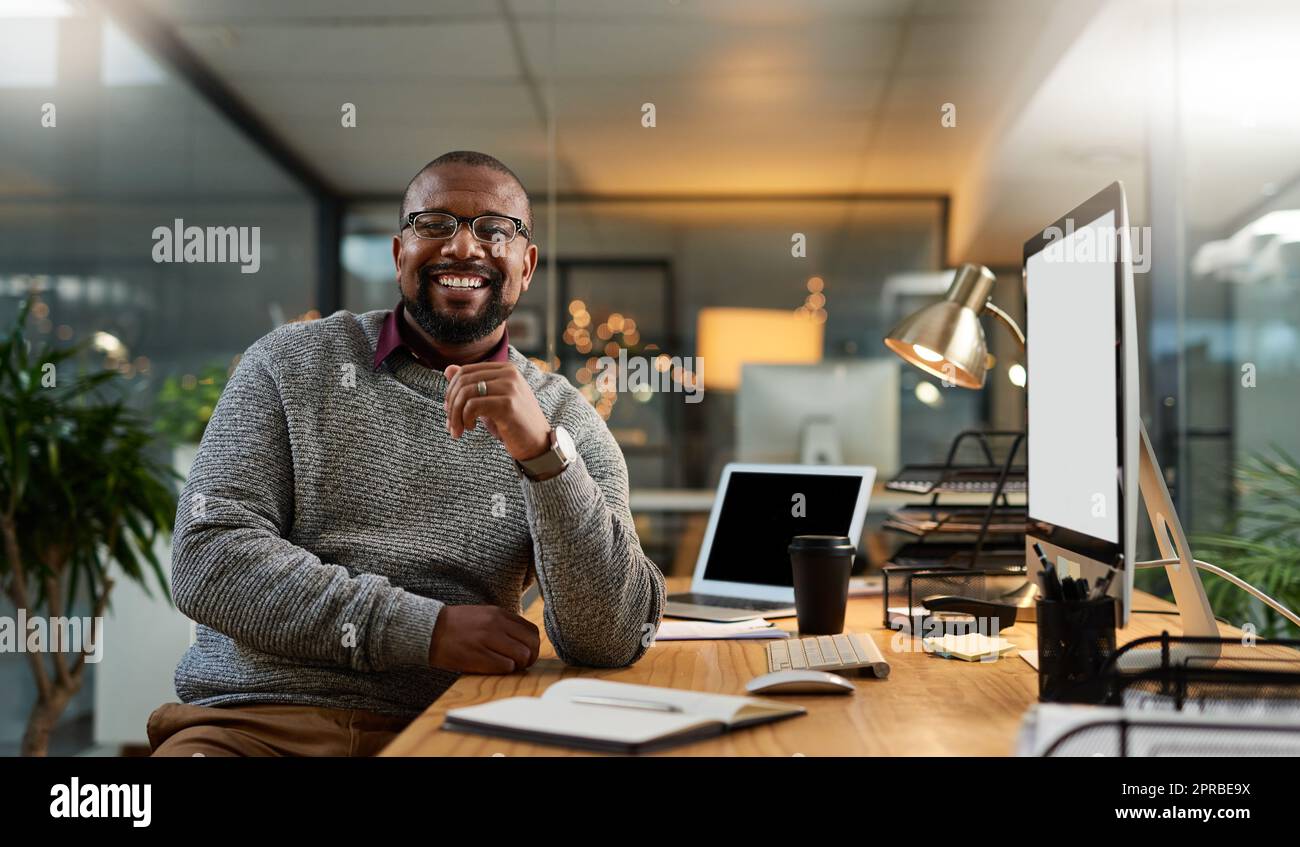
{"points": [[329, 516]]}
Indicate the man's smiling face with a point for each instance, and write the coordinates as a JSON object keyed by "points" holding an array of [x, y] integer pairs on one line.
{"points": [[459, 290]]}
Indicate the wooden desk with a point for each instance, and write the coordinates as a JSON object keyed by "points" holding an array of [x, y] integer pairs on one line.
{"points": [[700, 500], [927, 707]]}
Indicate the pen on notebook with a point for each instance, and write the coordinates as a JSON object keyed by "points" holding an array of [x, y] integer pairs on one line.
{"points": [[624, 703]]}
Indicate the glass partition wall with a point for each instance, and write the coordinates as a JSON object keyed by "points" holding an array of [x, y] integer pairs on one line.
{"points": [[635, 274], [111, 165], [1223, 337]]}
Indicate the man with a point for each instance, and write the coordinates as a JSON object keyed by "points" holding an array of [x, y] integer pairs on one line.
{"points": [[375, 492]]}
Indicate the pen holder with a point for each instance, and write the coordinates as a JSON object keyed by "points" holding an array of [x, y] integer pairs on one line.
{"points": [[1075, 640]]}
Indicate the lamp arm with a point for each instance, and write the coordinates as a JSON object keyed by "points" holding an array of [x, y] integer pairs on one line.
{"points": [[1006, 319]]}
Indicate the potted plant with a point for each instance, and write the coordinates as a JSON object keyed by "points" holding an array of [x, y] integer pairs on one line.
{"points": [[1261, 545], [149, 637], [185, 404], [78, 492], [182, 409]]}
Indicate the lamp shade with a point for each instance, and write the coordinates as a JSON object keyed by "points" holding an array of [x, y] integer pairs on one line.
{"points": [[946, 339], [729, 338]]}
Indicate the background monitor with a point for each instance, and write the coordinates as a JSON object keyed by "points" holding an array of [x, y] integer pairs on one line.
{"points": [[1082, 394], [834, 413]]}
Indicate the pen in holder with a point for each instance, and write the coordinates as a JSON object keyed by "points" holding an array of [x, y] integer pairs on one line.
{"points": [[1074, 641]]}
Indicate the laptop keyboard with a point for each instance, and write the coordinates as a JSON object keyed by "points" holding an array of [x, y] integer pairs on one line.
{"points": [[727, 602]]}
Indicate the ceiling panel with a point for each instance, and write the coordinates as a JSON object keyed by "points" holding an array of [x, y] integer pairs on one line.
{"points": [[331, 54], [292, 12], [699, 12], [611, 50], [751, 95]]}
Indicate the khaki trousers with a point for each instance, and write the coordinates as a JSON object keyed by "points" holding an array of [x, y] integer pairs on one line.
{"points": [[180, 729]]}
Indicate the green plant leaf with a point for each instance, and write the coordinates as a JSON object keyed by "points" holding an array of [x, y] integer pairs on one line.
{"points": [[75, 469]]}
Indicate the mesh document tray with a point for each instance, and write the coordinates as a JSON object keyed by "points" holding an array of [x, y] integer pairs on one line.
{"points": [[1124, 735], [944, 554], [906, 587], [975, 535], [925, 519], [958, 479], [1247, 678], [988, 475]]}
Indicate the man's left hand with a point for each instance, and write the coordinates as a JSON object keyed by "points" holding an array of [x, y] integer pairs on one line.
{"points": [[508, 410]]}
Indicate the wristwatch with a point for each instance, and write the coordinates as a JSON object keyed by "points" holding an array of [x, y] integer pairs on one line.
{"points": [[553, 461]]}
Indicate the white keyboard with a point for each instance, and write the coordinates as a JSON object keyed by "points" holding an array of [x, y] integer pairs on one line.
{"points": [[835, 653]]}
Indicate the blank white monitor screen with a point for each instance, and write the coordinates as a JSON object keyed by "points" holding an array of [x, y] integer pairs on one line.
{"points": [[1073, 442]]}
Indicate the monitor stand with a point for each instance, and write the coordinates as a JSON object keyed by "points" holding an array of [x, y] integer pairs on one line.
{"points": [[1193, 606], [819, 442]]}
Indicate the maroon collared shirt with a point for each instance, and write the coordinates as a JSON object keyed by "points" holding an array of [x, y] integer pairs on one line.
{"points": [[395, 333]]}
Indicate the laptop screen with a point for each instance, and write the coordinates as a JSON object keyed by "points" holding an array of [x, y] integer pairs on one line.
{"points": [[761, 512]]}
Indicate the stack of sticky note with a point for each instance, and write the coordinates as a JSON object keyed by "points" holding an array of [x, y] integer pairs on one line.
{"points": [[971, 647]]}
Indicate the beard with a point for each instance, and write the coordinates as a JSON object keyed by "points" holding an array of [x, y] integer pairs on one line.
{"points": [[450, 328]]}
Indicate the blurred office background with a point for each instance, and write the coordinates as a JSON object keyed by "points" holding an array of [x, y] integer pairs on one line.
{"points": [[890, 139]]}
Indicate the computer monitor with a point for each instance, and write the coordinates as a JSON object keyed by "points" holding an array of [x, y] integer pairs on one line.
{"points": [[1088, 454], [834, 413]]}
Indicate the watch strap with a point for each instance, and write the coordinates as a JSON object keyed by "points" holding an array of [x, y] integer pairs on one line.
{"points": [[549, 463]]}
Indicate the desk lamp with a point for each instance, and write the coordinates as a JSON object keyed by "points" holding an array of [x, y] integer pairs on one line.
{"points": [[945, 338]]}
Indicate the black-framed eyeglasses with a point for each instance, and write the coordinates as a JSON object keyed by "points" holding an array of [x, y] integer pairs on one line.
{"points": [[490, 229]]}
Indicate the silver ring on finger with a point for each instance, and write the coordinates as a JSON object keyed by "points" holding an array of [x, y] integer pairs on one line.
{"points": [[482, 388]]}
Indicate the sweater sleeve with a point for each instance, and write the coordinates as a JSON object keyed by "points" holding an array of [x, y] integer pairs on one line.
{"points": [[603, 597], [234, 571]]}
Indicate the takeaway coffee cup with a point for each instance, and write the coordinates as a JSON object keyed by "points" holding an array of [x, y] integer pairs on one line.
{"points": [[821, 565]]}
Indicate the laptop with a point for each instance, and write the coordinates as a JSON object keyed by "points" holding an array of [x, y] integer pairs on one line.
{"points": [[744, 566]]}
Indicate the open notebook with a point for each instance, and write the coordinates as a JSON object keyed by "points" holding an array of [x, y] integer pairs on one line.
{"points": [[601, 715]]}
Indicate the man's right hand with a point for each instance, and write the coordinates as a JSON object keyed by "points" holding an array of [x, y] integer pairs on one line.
{"points": [[483, 639]]}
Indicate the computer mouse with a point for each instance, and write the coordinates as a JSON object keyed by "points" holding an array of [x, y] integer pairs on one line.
{"points": [[799, 682]]}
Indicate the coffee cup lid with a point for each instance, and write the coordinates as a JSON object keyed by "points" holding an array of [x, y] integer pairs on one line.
{"points": [[821, 544]]}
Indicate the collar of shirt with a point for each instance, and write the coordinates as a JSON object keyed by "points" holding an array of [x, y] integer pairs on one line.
{"points": [[395, 333]]}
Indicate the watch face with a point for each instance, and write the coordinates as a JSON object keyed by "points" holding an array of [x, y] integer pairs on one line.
{"points": [[564, 442]]}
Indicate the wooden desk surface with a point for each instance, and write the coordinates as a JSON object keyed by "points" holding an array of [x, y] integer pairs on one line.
{"points": [[928, 706]]}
